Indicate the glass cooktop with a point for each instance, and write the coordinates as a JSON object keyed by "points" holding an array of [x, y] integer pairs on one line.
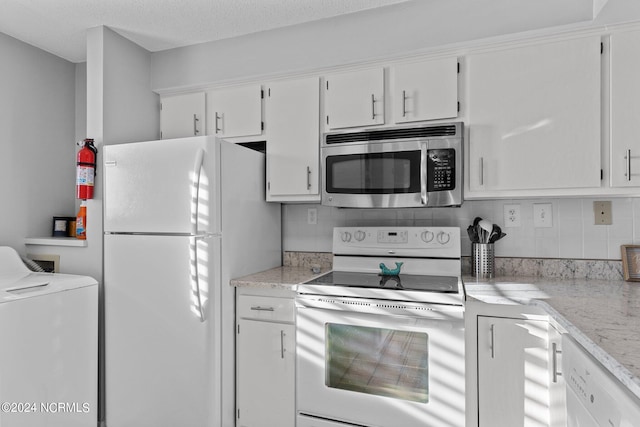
{"points": [[412, 282]]}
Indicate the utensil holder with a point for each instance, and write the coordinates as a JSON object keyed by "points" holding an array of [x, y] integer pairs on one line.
{"points": [[483, 260]]}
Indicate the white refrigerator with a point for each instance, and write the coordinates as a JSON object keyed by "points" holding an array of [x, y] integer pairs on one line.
{"points": [[181, 218]]}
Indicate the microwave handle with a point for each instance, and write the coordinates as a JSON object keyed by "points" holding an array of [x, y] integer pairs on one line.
{"points": [[423, 175]]}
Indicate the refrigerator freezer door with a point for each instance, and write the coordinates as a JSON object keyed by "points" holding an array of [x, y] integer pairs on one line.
{"points": [[152, 187], [162, 358]]}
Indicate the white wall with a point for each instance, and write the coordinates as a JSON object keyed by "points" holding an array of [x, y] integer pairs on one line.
{"points": [[573, 234], [37, 141], [120, 108], [378, 33]]}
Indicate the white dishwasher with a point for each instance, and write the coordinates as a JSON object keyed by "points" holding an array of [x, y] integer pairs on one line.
{"points": [[595, 398], [48, 347]]}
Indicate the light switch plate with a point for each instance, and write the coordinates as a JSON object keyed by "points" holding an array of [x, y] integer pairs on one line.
{"points": [[542, 215], [312, 216], [602, 213]]}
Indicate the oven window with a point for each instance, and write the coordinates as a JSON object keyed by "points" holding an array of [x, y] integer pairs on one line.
{"points": [[384, 362], [374, 173]]}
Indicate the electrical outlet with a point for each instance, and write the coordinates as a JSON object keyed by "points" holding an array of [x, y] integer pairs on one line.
{"points": [[512, 216], [312, 216], [602, 213], [542, 215]]}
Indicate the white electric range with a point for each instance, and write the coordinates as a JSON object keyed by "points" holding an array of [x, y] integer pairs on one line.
{"points": [[380, 339]]}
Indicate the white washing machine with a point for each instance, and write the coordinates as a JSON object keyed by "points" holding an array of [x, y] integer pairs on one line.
{"points": [[48, 347], [595, 398]]}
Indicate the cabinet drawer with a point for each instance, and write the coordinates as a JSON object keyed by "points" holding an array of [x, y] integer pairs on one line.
{"points": [[266, 308]]}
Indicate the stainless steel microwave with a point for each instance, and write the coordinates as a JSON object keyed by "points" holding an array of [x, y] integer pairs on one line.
{"points": [[403, 167]]}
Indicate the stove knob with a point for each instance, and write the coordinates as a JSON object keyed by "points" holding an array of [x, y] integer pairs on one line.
{"points": [[359, 235], [346, 237], [427, 236], [443, 238]]}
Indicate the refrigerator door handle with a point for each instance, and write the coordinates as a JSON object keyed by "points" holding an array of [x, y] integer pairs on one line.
{"points": [[195, 279], [195, 191]]}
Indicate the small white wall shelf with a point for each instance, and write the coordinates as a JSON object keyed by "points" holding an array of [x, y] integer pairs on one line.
{"points": [[56, 241]]}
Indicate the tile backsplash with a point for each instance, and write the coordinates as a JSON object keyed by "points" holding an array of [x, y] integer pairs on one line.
{"points": [[572, 233]]}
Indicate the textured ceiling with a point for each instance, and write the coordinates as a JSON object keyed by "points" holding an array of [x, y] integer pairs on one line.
{"points": [[59, 26]]}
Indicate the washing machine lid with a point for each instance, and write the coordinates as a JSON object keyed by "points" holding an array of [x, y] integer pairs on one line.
{"points": [[18, 282]]}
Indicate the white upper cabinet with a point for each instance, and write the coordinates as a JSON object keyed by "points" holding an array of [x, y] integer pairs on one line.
{"points": [[625, 109], [534, 117], [292, 112], [182, 115], [236, 111], [425, 90], [354, 99]]}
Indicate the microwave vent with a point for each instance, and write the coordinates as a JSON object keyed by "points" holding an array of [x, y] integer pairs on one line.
{"points": [[387, 134]]}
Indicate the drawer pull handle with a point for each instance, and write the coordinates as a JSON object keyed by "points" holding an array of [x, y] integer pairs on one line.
{"points": [[554, 367], [259, 308], [373, 107], [492, 342], [404, 103], [628, 165]]}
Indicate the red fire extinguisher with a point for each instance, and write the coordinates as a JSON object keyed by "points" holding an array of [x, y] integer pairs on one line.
{"points": [[86, 169]]}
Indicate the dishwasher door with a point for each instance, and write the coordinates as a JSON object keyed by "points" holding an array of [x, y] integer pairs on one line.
{"points": [[595, 398], [577, 414]]}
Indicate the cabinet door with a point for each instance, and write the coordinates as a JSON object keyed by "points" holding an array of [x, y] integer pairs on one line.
{"points": [[513, 372], [266, 382], [625, 109], [182, 115], [534, 117], [425, 90], [292, 111], [236, 112], [355, 99]]}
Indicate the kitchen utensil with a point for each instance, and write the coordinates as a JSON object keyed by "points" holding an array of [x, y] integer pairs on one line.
{"points": [[473, 234], [495, 233], [486, 227]]}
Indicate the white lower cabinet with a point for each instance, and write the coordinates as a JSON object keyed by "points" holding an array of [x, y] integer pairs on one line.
{"points": [[265, 361], [518, 379]]}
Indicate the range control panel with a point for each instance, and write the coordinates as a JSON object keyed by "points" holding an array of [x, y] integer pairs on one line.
{"points": [[408, 241]]}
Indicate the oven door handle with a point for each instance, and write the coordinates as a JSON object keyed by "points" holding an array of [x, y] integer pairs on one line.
{"points": [[423, 172]]}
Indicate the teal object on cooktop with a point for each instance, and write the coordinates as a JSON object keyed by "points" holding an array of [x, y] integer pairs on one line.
{"points": [[385, 271]]}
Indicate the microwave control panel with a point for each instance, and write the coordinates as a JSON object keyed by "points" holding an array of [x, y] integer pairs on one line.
{"points": [[441, 169]]}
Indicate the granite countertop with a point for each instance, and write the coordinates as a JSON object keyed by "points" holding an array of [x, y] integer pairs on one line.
{"points": [[277, 278], [602, 315]]}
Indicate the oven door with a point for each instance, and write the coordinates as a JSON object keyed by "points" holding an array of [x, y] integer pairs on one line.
{"points": [[374, 363], [375, 175]]}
